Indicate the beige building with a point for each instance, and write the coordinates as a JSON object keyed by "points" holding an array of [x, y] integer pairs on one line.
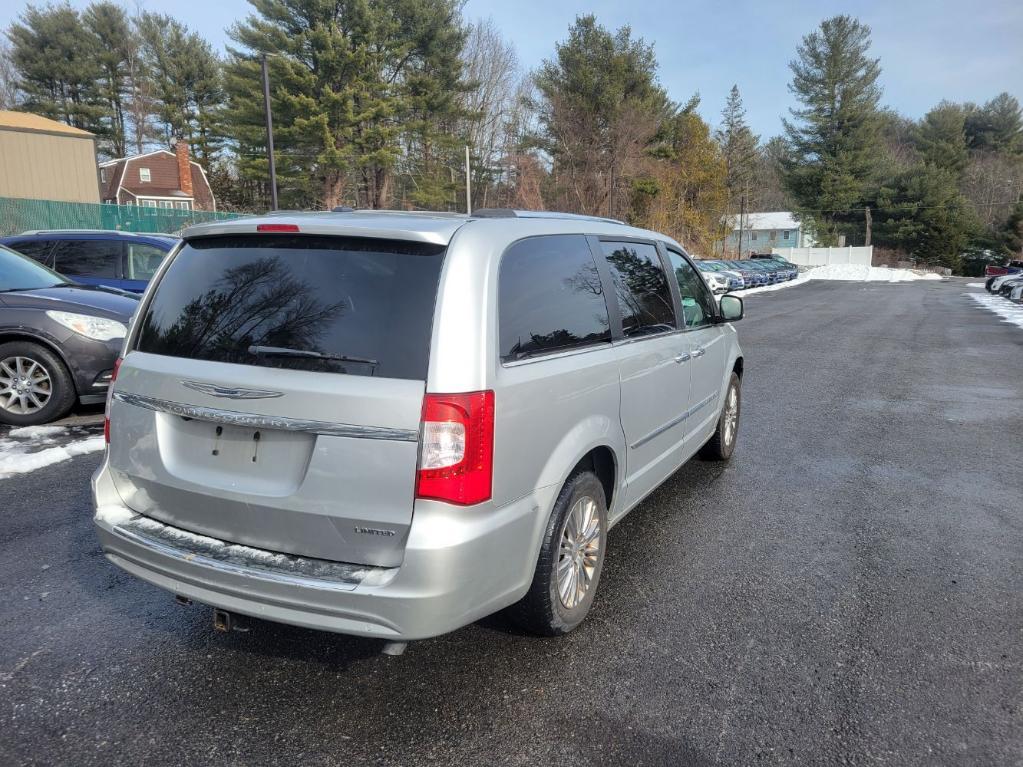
{"points": [[42, 159]]}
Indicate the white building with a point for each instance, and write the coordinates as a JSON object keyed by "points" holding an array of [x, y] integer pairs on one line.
{"points": [[763, 231]]}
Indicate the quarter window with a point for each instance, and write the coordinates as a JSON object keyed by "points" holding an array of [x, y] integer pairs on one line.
{"points": [[143, 261], [697, 303], [641, 287], [550, 298], [87, 258]]}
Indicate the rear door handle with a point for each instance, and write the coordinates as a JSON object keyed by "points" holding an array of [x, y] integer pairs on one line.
{"points": [[699, 352], [683, 357]]}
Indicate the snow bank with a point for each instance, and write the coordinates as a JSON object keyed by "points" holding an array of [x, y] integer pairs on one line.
{"points": [[1008, 311], [864, 273], [849, 273], [14, 460]]}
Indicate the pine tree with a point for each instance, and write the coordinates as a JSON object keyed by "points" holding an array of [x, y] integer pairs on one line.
{"points": [[58, 66], [832, 136], [997, 126], [600, 108], [115, 38], [941, 138], [348, 78], [923, 213], [738, 148], [187, 85]]}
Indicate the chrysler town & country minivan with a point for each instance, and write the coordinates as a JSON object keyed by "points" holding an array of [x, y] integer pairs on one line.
{"points": [[394, 424]]}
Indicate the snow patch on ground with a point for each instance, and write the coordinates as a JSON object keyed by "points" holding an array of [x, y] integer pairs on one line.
{"points": [[1009, 312], [849, 273], [32, 432], [974, 284], [15, 459]]}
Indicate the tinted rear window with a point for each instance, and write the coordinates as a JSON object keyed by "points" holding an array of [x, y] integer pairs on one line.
{"points": [[237, 299], [551, 299]]}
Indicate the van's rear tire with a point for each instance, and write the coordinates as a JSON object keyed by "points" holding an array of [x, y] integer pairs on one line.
{"points": [[574, 544], [721, 446]]}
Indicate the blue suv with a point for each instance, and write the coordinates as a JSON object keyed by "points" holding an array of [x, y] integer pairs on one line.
{"points": [[110, 259]]}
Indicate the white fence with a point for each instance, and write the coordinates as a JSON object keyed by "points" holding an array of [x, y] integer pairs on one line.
{"points": [[825, 256]]}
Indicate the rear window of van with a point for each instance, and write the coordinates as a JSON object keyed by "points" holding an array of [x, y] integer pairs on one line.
{"points": [[358, 306]]}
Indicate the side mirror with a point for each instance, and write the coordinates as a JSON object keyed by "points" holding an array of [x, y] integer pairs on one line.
{"points": [[731, 308]]}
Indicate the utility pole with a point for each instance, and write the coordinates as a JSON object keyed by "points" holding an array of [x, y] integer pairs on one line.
{"points": [[468, 183], [742, 212], [269, 136], [866, 237]]}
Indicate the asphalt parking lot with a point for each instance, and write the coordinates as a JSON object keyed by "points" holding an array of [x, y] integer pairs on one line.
{"points": [[849, 589]]}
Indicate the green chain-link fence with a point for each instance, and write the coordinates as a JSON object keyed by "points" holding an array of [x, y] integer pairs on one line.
{"points": [[22, 215]]}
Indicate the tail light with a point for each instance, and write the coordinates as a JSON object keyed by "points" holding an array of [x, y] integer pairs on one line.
{"points": [[110, 394], [456, 462]]}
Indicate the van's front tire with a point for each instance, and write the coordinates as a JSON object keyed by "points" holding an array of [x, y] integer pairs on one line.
{"points": [[570, 562], [721, 446]]}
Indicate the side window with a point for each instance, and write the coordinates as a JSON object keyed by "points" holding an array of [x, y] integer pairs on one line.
{"points": [[87, 258], [697, 302], [143, 261], [550, 298], [36, 249], [641, 287]]}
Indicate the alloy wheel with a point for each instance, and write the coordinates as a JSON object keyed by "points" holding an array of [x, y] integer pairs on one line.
{"points": [[579, 553], [731, 414], [25, 385]]}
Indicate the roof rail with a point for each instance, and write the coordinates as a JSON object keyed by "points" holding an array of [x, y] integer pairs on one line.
{"points": [[495, 213], [342, 209], [511, 213], [90, 231]]}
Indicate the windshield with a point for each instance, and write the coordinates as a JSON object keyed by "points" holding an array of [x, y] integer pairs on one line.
{"points": [[350, 305], [18, 272]]}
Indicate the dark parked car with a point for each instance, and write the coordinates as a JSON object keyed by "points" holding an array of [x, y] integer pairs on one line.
{"points": [[58, 340], [122, 260], [789, 269], [752, 277], [767, 268]]}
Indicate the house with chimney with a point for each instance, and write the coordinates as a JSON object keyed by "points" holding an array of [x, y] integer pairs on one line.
{"points": [[165, 178]]}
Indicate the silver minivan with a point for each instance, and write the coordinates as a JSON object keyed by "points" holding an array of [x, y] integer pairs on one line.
{"points": [[394, 424]]}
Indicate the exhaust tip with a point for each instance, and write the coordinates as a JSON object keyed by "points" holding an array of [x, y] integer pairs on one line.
{"points": [[222, 620]]}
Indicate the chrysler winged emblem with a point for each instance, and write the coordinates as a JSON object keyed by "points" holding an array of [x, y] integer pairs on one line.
{"points": [[231, 392]]}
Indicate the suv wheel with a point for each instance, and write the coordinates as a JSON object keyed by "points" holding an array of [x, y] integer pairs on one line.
{"points": [[570, 562], [35, 387], [721, 446]]}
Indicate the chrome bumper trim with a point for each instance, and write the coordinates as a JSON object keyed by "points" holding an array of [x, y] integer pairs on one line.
{"points": [[253, 421]]}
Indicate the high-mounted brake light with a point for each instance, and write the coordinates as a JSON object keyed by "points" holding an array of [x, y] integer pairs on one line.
{"points": [[456, 462], [276, 227], [110, 394]]}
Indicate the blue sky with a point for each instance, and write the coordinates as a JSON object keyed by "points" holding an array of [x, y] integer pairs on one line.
{"points": [[929, 49]]}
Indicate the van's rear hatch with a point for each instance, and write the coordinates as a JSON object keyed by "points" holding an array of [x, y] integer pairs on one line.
{"points": [[273, 393]]}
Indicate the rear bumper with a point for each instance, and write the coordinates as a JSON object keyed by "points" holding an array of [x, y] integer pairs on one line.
{"points": [[460, 565]]}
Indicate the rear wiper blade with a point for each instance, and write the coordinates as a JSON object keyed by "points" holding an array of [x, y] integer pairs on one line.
{"points": [[281, 351]]}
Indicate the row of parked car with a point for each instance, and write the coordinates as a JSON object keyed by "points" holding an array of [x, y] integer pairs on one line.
{"points": [[724, 275], [66, 298], [1009, 283]]}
